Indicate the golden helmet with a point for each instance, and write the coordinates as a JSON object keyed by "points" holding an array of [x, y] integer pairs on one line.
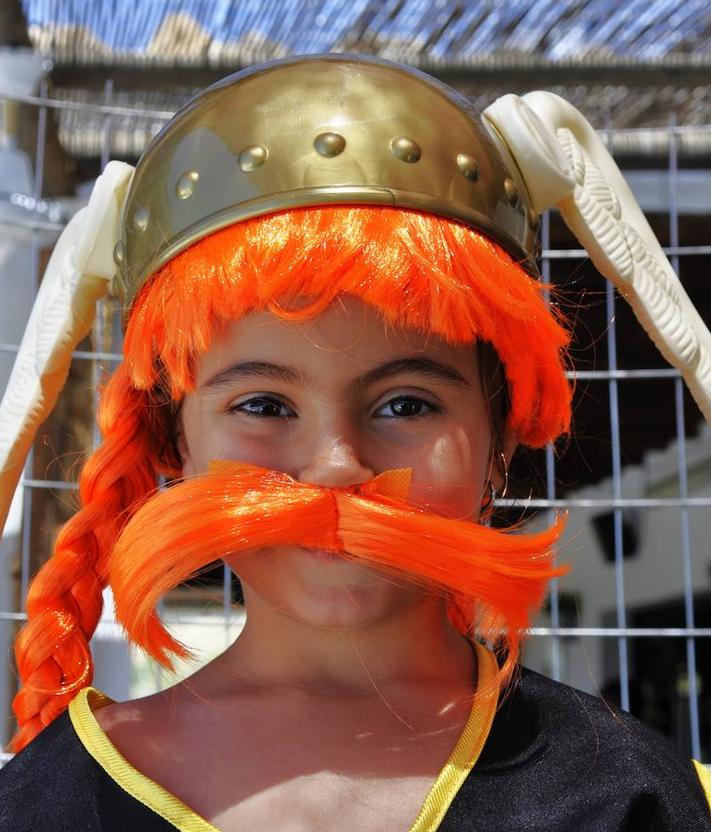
{"points": [[315, 130]]}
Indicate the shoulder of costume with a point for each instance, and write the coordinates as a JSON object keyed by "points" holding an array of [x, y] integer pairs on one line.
{"points": [[54, 784], [611, 745], [583, 716], [50, 784], [558, 758]]}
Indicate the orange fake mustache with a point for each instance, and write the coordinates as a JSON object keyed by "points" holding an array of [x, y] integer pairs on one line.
{"points": [[494, 580]]}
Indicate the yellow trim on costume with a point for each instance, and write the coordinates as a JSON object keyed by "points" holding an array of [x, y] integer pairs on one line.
{"points": [[468, 748], [162, 802], [705, 779], [145, 790]]}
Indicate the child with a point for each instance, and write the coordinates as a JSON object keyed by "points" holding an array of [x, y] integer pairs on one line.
{"points": [[335, 340]]}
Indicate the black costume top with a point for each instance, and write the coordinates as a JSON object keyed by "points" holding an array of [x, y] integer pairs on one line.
{"points": [[555, 759]]}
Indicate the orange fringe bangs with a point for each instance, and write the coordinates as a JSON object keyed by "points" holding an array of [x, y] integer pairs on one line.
{"points": [[420, 271]]}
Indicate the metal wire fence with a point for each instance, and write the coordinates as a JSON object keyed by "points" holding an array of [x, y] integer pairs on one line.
{"points": [[556, 630]]}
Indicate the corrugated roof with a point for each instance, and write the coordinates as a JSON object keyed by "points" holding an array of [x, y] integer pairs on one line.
{"points": [[596, 54], [229, 33]]}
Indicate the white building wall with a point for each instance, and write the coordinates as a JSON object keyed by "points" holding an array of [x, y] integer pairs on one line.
{"points": [[654, 574]]}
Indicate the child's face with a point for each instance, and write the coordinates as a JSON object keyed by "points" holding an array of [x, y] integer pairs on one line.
{"points": [[335, 401]]}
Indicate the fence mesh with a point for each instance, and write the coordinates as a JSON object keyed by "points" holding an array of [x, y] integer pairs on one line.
{"points": [[632, 628]]}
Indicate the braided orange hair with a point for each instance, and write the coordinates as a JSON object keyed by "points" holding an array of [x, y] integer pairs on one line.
{"points": [[418, 270], [64, 601]]}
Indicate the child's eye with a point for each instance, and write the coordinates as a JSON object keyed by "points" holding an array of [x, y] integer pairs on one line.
{"points": [[262, 407], [406, 407]]}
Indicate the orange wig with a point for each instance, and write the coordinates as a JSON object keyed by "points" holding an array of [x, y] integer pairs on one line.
{"points": [[419, 271]]}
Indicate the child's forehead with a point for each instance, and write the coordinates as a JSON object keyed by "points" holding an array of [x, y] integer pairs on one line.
{"points": [[337, 324]]}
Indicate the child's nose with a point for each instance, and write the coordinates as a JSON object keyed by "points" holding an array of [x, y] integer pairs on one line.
{"points": [[335, 463]]}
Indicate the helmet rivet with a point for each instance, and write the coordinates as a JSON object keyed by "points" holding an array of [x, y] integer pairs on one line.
{"points": [[140, 219], [406, 149], [119, 253], [185, 186], [511, 191], [329, 144], [252, 157], [468, 166]]}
